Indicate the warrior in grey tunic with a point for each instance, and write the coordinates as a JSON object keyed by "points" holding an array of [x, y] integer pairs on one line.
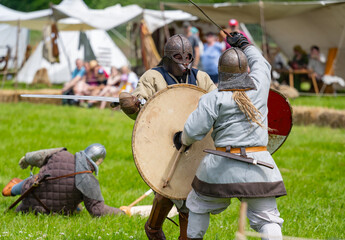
{"points": [[218, 178]]}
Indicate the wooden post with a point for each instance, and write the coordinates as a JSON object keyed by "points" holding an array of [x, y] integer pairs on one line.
{"points": [[15, 62], [313, 79], [166, 29], [242, 222], [291, 78], [340, 43]]}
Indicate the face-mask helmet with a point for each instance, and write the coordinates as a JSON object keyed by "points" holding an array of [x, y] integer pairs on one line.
{"points": [[178, 55]]}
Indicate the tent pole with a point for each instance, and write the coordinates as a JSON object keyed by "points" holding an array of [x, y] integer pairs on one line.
{"points": [[60, 40], [15, 62], [166, 29], [65, 52], [263, 27], [119, 35], [341, 41]]}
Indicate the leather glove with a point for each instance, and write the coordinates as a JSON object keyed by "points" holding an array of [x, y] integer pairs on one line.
{"points": [[237, 40], [177, 140], [129, 104]]}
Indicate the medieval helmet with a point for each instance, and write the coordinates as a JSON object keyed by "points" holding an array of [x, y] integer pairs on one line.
{"points": [[95, 153], [178, 55], [233, 71]]}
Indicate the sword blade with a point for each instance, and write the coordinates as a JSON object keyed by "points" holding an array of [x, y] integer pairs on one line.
{"points": [[238, 158], [73, 97]]}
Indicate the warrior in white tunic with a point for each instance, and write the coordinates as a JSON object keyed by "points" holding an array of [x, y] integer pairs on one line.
{"points": [[237, 112], [175, 68]]}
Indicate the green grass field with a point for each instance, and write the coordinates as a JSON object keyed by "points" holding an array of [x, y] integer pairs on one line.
{"points": [[336, 102], [312, 162]]}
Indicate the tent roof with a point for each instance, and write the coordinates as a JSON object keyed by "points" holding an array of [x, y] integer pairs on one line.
{"points": [[318, 23], [106, 19], [32, 20], [249, 12], [156, 19]]}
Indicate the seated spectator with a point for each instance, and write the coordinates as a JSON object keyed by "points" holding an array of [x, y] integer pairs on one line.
{"points": [[315, 64], [64, 181], [112, 88], [77, 75], [209, 60], [129, 80], [300, 58], [94, 82]]}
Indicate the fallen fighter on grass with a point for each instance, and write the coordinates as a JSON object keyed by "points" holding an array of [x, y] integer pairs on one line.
{"points": [[63, 182]]}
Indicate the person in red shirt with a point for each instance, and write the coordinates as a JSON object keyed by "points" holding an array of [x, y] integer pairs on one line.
{"points": [[234, 27]]}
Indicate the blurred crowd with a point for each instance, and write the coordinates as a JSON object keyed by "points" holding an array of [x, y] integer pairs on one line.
{"points": [[91, 79], [210, 46]]}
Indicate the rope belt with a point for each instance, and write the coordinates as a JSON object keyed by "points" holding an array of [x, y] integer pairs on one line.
{"points": [[238, 150]]}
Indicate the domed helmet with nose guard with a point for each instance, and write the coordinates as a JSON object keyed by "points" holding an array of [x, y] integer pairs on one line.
{"points": [[178, 55]]}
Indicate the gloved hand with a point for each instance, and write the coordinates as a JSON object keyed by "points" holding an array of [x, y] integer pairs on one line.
{"points": [[237, 40], [22, 163], [129, 104], [177, 140]]}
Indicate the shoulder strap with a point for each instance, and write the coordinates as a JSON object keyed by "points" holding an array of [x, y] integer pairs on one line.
{"points": [[67, 175]]}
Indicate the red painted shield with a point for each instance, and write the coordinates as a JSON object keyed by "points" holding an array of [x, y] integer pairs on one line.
{"points": [[279, 120]]}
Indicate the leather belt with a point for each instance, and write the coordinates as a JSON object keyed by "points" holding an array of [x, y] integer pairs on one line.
{"points": [[238, 150]]}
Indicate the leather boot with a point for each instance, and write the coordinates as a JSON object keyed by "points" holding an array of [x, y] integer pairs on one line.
{"points": [[160, 209], [183, 221], [6, 192]]}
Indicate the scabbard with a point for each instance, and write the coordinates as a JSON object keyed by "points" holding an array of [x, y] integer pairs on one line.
{"points": [[239, 158], [26, 193]]}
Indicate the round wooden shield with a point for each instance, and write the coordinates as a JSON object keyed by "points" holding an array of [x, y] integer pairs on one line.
{"points": [[279, 120], [152, 142]]}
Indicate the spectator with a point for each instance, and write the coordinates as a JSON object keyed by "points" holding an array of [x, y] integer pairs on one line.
{"points": [[234, 27], [315, 64], [194, 41], [196, 33], [209, 60], [94, 82], [77, 76], [129, 80], [300, 58], [70, 181], [112, 89]]}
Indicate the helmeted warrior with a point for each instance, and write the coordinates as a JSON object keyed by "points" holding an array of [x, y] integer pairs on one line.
{"points": [[174, 68], [63, 182], [237, 112]]}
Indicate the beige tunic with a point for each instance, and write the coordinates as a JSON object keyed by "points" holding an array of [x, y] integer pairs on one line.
{"points": [[152, 81]]}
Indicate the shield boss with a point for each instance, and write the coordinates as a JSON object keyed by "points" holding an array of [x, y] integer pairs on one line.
{"points": [[152, 141]]}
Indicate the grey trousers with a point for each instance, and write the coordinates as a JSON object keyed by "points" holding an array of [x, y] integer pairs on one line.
{"points": [[262, 213]]}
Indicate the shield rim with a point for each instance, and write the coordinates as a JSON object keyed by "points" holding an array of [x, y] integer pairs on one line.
{"points": [[135, 130], [291, 118]]}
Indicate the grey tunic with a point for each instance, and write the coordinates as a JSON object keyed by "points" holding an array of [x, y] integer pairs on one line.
{"points": [[223, 177]]}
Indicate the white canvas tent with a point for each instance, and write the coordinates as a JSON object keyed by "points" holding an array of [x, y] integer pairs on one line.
{"points": [[106, 19], [8, 37], [156, 19], [32, 20], [75, 16], [319, 23], [107, 53]]}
